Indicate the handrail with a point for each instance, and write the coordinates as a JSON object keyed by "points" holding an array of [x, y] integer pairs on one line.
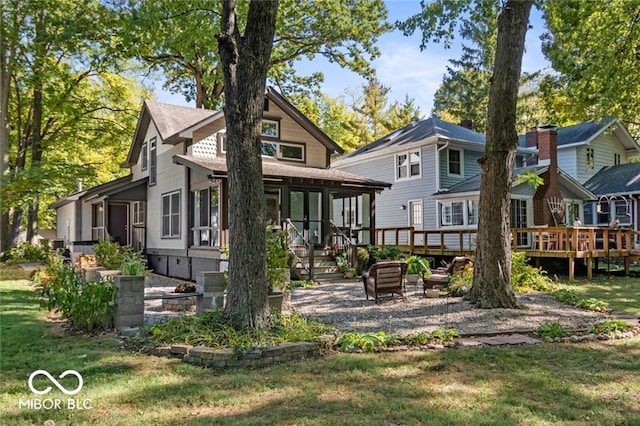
{"points": [[299, 246], [344, 243]]}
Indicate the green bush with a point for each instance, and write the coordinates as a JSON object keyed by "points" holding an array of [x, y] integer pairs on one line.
{"points": [[278, 257], [377, 254], [371, 341], [610, 327], [526, 278], [552, 330], [113, 256], [88, 305], [27, 252], [570, 297], [362, 254]]}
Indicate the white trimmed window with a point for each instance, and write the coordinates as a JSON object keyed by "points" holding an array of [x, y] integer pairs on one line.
{"points": [[153, 161], [452, 214], [138, 212], [222, 142], [270, 128], [408, 165], [454, 162], [472, 212], [283, 151], [171, 215], [145, 156]]}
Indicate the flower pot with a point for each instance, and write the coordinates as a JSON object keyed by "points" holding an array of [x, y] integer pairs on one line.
{"points": [[413, 278], [275, 300], [349, 274]]}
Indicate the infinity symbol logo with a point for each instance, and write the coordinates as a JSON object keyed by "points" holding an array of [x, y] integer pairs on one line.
{"points": [[55, 382]]}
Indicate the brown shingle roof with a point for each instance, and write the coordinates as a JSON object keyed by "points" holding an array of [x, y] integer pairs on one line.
{"points": [[171, 119], [278, 170]]}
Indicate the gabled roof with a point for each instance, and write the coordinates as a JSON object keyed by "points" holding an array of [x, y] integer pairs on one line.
{"points": [[170, 120], [217, 167], [430, 128], [584, 133], [176, 123], [620, 179], [472, 184], [91, 191]]}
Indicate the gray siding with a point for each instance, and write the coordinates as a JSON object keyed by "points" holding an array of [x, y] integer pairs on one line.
{"points": [[470, 167], [604, 147], [568, 161], [389, 212]]}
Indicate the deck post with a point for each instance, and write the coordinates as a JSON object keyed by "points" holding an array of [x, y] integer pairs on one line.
{"points": [[627, 265], [590, 268], [572, 267]]}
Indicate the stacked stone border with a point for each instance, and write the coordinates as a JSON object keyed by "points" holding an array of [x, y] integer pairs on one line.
{"points": [[255, 357]]}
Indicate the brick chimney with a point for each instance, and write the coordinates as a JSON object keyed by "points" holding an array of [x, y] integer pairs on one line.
{"points": [[547, 137], [531, 141], [467, 124]]}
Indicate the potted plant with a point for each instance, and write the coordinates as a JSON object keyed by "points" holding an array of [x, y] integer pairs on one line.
{"points": [[278, 264], [417, 267], [342, 263], [349, 272]]}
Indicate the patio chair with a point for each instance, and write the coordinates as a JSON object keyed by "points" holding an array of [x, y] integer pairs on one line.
{"points": [[384, 278]]}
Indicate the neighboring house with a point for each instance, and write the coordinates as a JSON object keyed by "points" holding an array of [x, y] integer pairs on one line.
{"points": [[433, 165], [173, 204], [422, 159]]}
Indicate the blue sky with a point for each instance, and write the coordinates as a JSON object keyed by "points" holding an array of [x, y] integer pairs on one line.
{"points": [[401, 65]]}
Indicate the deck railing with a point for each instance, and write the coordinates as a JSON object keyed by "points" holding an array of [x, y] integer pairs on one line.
{"points": [[582, 241]]}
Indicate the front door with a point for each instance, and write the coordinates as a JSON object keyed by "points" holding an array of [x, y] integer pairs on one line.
{"points": [[305, 211], [118, 223]]}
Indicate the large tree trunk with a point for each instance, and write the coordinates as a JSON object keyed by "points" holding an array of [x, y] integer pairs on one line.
{"points": [[492, 269], [245, 62]]}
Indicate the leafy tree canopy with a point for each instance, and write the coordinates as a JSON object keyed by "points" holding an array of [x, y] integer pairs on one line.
{"points": [[176, 38]]}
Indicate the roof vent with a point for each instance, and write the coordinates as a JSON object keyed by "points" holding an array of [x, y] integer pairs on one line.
{"points": [[414, 121]]}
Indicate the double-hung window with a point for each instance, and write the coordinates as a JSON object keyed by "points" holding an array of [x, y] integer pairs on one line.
{"points": [[408, 165], [451, 214], [171, 215], [138, 213], [454, 162]]}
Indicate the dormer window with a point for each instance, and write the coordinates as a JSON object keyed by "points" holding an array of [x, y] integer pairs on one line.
{"points": [[283, 151], [270, 128], [408, 165]]}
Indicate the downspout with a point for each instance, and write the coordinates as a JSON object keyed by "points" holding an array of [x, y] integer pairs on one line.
{"points": [[443, 147], [438, 150]]}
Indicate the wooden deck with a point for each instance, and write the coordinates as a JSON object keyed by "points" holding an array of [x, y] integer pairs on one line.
{"points": [[584, 242]]}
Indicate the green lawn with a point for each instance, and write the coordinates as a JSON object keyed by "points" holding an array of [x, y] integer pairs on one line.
{"points": [[574, 384], [622, 293]]}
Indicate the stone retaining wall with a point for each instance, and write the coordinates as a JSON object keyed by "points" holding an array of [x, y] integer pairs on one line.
{"points": [[227, 357], [179, 305]]}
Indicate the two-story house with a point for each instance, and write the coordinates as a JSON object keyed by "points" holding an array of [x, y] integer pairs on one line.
{"points": [[173, 204], [436, 177]]}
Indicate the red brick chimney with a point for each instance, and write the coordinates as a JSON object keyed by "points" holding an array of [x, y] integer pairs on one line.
{"points": [[531, 141], [467, 124], [547, 137]]}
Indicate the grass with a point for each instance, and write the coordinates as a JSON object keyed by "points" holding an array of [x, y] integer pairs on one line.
{"points": [[621, 293], [588, 383]]}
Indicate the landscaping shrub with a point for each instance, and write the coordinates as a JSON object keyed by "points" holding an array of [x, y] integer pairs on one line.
{"points": [[524, 277], [570, 297], [88, 305], [113, 256], [610, 327], [552, 330], [211, 330], [377, 254], [362, 254], [371, 341], [27, 252]]}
